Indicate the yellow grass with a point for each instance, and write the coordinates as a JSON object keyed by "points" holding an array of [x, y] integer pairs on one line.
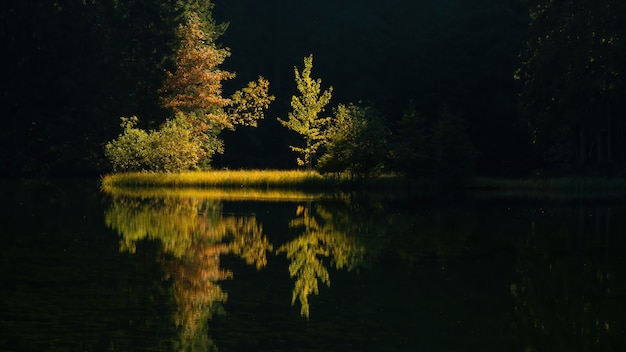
{"points": [[274, 185], [223, 178]]}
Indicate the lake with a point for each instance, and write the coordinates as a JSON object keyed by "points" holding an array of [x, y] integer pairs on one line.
{"points": [[245, 270]]}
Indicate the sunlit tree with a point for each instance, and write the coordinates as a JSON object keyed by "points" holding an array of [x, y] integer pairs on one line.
{"points": [[195, 88], [305, 118]]}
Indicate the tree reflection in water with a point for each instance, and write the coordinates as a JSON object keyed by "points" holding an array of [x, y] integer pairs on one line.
{"points": [[570, 291], [193, 233], [320, 240]]}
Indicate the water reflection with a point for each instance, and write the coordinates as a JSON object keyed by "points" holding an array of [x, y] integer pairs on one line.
{"points": [[318, 242], [193, 234], [570, 291], [429, 274]]}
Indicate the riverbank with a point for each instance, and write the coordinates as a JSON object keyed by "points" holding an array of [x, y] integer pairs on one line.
{"points": [[312, 180], [251, 179]]}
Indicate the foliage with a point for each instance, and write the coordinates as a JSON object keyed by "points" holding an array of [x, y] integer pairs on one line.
{"points": [[410, 152], [305, 117], [196, 84], [249, 103], [195, 88], [204, 11], [572, 80], [357, 141], [129, 152], [173, 148], [440, 148], [452, 152]]}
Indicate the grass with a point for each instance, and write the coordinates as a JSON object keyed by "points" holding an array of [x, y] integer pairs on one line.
{"points": [[260, 179], [302, 184]]}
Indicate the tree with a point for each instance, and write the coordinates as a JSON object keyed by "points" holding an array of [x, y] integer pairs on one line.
{"points": [[571, 76], [438, 147], [410, 150], [305, 117], [357, 141], [452, 152], [195, 88]]}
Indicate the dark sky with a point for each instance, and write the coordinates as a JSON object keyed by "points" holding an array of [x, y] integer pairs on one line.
{"points": [[367, 47]]}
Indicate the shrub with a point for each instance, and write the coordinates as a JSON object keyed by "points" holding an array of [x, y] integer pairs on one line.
{"points": [[173, 148], [129, 152], [357, 142]]}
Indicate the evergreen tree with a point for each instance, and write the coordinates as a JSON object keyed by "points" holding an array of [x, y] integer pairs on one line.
{"points": [[195, 88], [305, 117], [410, 151], [571, 77], [438, 147], [451, 151]]}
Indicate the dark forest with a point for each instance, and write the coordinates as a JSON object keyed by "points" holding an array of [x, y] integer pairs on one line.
{"points": [[523, 86]]}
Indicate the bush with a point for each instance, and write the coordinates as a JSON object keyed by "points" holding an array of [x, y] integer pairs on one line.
{"points": [[357, 142], [129, 152], [173, 148]]}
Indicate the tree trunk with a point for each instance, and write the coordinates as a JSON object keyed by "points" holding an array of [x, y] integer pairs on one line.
{"points": [[582, 155], [609, 156], [599, 155]]}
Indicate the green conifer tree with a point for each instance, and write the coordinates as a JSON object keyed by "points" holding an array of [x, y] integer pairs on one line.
{"points": [[305, 117]]}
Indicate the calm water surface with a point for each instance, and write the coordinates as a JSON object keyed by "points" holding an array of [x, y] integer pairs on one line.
{"points": [[85, 270]]}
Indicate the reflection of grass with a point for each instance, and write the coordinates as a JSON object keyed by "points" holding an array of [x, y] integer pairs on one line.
{"points": [[283, 179], [214, 193], [297, 185]]}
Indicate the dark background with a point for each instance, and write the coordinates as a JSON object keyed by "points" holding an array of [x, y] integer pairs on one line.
{"points": [[455, 54]]}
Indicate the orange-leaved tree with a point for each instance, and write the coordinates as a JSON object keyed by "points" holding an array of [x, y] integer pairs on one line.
{"points": [[195, 89]]}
